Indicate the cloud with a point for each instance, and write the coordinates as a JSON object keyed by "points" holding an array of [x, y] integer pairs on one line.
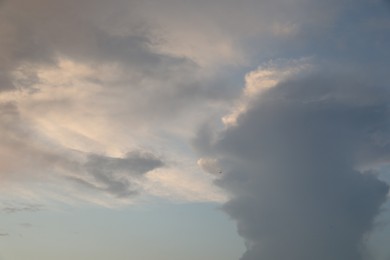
{"points": [[264, 77], [209, 165], [23, 207], [300, 165], [21, 146], [82, 83], [84, 78], [26, 225], [216, 33], [117, 176]]}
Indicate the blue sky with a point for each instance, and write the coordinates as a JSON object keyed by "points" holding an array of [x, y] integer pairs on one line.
{"points": [[179, 129], [156, 231]]}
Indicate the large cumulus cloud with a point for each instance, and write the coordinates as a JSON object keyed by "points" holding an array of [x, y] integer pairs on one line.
{"points": [[301, 150], [299, 165]]}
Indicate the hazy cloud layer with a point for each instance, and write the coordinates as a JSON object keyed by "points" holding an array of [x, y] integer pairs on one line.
{"points": [[90, 77]]}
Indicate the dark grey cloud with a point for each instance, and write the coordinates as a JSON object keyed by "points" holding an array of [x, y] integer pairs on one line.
{"points": [[117, 176], [299, 167]]}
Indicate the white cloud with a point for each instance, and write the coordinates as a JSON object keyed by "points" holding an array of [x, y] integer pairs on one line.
{"points": [[210, 165], [264, 77]]}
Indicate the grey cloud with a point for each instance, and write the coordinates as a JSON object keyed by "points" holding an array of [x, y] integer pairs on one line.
{"points": [[24, 157], [353, 32], [38, 32], [26, 225], [96, 34], [25, 207], [4, 234], [299, 168], [21, 150], [116, 175], [133, 50], [155, 90], [95, 31], [149, 87], [5, 81], [136, 163]]}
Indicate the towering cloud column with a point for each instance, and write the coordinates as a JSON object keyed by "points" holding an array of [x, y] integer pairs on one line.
{"points": [[299, 166]]}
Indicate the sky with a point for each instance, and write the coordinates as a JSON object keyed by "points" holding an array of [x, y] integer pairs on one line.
{"points": [[179, 129]]}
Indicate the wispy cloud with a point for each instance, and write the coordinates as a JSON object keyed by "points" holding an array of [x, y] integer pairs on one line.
{"points": [[117, 176], [22, 207], [79, 90]]}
